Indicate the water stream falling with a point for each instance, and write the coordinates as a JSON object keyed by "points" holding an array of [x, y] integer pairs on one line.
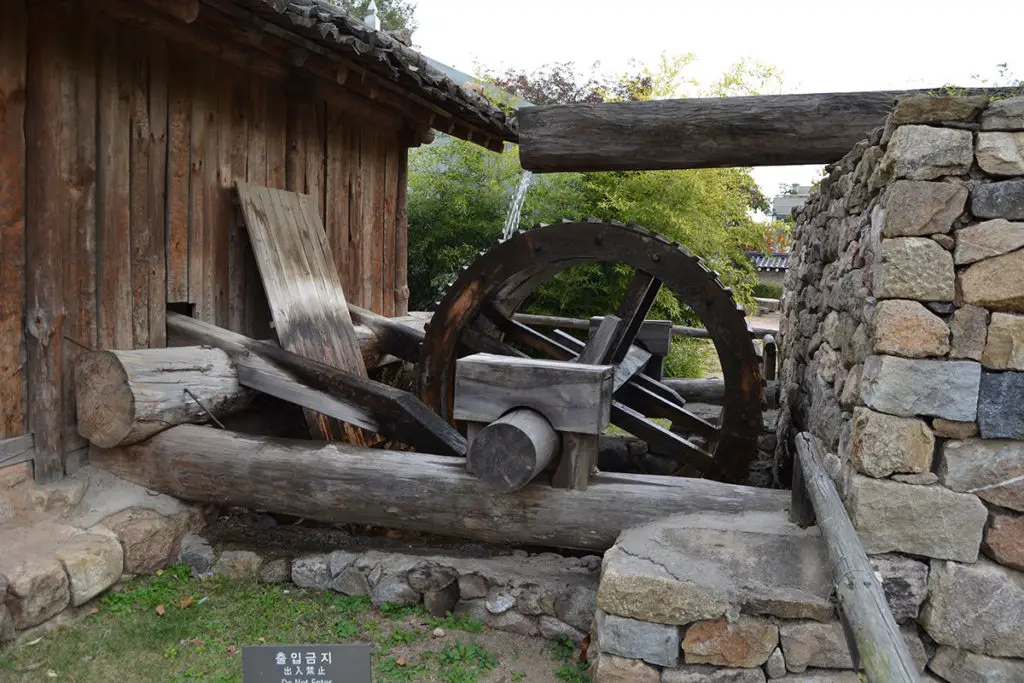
{"points": [[515, 209]]}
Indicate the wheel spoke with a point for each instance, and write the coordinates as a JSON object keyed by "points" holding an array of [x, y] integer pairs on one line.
{"points": [[479, 342], [662, 441], [600, 347], [625, 371], [649, 403], [633, 310], [527, 336]]}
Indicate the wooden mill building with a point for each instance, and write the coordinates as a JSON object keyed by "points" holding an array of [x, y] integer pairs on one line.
{"points": [[123, 126]]}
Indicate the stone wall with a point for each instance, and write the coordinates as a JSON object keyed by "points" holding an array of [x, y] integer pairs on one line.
{"points": [[902, 347]]}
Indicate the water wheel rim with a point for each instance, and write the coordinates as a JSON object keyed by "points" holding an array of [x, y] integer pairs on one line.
{"points": [[515, 267]]}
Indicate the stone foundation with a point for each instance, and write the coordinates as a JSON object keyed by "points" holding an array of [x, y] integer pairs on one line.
{"points": [[693, 598], [902, 347], [67, 543], [541, 594]]}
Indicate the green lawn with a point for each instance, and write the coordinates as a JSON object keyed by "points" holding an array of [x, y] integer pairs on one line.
{"points": [[171, 627]]}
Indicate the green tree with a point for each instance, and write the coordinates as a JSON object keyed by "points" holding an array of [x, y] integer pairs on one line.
{"points": [[459, 195], [394, 14]]}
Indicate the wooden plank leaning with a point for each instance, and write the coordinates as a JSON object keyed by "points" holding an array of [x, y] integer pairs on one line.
{"points": [[307, 303]]}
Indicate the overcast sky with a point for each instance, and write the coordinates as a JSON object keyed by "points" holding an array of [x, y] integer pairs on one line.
{"points": [[819, 45]]}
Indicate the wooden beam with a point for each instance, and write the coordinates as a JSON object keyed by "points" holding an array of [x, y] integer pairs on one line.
{"points": [[868, 621], [124, 397], [573, 397], [581, 324], [510, 452], [774, 130], [184, 10], [16, 449], [342, 483], [599, 347], [400, 337], [273, 370], [706, 390]]}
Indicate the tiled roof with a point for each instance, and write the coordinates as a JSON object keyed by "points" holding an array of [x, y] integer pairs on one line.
{"points": [[763, 261], [334, 29]]}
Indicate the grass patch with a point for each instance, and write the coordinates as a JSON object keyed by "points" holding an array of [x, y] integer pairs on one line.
{"points": [[171, 627]]}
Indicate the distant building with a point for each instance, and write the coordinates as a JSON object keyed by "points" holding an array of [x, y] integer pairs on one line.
{"points": [[771, 268], [783, 204]]}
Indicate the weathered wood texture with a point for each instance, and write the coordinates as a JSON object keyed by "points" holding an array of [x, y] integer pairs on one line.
{"points": [[769, 358], [868, 619], [16, 449], [13, 60], [338, 482], [574, 398], [124, 397], [307, 301], [707, 390], [258, 373], [581, 324], [271, 369], [125, 138], [510, 452], [773, 130]]}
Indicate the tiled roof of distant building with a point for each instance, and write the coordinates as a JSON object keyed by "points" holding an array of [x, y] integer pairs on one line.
{"points": [[763, 261]]}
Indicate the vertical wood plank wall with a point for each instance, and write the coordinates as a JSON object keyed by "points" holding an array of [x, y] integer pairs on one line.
{"points": [[118, 154]]}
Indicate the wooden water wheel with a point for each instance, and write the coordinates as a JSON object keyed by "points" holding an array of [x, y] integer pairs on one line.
{"points": [[477, 314]]}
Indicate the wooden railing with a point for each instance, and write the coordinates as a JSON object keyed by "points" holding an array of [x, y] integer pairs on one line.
{"points": [[581, 324], [871, 631]]}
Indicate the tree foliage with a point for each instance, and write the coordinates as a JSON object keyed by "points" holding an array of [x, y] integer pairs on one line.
{"points": [[394, 14], [459, 195]]}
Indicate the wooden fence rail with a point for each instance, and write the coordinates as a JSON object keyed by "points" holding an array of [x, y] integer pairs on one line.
{"points": [[580, 324], [875, 639]]}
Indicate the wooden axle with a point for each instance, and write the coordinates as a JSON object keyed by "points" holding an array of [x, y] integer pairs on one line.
{"points": [[341, 483], [510, 452]]}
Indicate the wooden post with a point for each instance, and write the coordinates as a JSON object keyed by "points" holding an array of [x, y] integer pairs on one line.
{"points": [[508, 453], [124, 397], [879, 643], [770, 354], [343, 483]]}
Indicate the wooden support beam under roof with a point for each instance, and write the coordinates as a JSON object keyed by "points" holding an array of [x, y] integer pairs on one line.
{"points": [[773, 130]]}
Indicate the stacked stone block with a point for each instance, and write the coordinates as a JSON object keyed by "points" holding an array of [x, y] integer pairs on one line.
{"points": [[744, 600], [902, 345]]}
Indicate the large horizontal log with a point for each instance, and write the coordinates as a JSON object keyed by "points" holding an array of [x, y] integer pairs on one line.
{"points": [[774, 130], [123, 397], [341, 483]]}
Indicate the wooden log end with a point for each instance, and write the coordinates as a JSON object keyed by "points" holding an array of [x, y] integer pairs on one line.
{"points": [[508, 453], [104, 399]]}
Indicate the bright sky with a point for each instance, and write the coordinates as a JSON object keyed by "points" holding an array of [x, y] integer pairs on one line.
{"points": [[819, 45]]}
